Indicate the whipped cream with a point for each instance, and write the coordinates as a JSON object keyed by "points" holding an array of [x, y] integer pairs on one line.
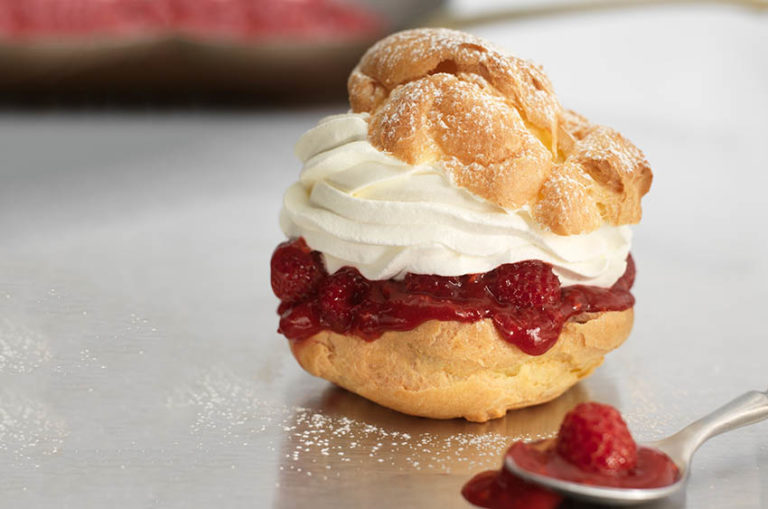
{"points": [[365, 208]]}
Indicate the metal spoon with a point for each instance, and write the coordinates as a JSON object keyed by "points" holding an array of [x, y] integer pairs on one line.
{"points": [[747, 409]]}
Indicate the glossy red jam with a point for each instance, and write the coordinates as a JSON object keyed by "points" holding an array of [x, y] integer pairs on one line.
{"points": [[230, 18], [653, 469], [499, 489], [593, 447], [524, 300]]}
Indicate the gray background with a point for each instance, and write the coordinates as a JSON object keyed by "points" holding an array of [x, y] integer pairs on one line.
{"points": [[139, 366]]}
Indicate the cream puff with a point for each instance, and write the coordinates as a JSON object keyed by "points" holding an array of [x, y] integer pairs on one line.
{"points": [[458, 241]]}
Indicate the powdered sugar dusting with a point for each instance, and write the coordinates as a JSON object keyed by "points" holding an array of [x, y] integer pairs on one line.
{"points": [[495, 124], [22, 350], [505, 78], [563, 192], [222, 402], [314, 435], [535, 335], [331, 441], [28, 428], [521, 81], [605, 144]]}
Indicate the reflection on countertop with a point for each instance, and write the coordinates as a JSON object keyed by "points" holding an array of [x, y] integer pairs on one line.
{"points": [[339, 437]]}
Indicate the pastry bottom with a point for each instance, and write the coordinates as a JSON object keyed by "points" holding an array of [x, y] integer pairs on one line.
{"points": [[445, 370]]}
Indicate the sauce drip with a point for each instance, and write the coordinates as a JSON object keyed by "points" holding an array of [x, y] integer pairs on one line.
{"points": [[500, 489]]}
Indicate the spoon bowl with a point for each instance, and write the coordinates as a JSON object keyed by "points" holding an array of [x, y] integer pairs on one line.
{"points": [[747, 409]]}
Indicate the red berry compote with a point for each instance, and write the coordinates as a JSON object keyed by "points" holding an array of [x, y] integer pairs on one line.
{"points": [[524, 300]]}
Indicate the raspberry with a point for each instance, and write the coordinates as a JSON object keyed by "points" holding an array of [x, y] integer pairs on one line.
{"points": [[339, 294], [595, 438], [529, 284], [437, 286], [300, 321], [296, 271]]}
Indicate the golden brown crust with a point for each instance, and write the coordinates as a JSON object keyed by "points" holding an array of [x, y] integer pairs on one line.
{"points": [[497, 127], [444, 370]]}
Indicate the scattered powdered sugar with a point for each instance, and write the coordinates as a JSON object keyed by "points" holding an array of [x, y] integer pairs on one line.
{"points": [[479, 62], [338, 436], [22, 350], [505, 91], [564, 182], [645, 411], [535, 335], [605, 144], [223, 402], [316, 442], [28, 427], [564, 193], [396, 47]]}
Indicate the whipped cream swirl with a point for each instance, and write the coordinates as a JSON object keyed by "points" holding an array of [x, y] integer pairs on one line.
{"points": [[365, 208]]}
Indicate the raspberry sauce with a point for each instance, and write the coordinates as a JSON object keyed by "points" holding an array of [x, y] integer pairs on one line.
{"points": [[593, 447], [240, 19], [524, 300], [499, 489], [653, 469]]}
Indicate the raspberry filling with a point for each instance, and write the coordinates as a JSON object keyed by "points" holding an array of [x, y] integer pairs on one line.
{"points": [[524, 300], [594, 446]]}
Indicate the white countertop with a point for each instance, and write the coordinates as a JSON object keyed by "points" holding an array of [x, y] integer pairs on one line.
{"points": [[139, 366]]}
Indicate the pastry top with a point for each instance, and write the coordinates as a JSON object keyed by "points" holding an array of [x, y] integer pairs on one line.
{"points": [[495, 125]]}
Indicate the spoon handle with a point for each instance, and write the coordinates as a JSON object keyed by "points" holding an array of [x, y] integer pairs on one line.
{"points": [[748, 408]]}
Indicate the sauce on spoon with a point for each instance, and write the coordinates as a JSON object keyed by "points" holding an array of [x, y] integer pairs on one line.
{"points": [[593, 447]]}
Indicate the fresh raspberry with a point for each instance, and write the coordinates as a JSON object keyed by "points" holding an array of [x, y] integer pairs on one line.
{"points": [[595, 438], [300, 321], [339, 294], [529, 284], [296, 271], [437, 286]]}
